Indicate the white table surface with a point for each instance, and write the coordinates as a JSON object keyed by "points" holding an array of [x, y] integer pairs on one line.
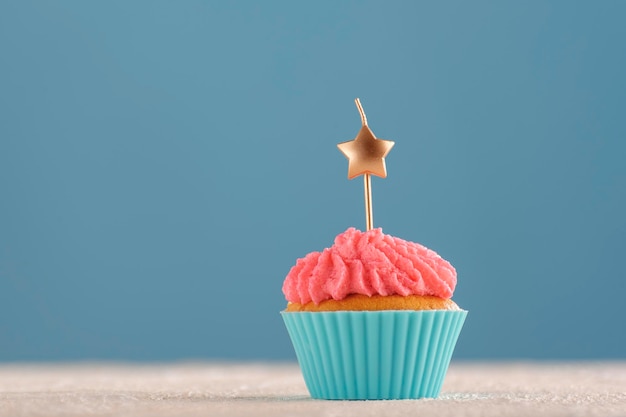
{"points": [[277, 389]]}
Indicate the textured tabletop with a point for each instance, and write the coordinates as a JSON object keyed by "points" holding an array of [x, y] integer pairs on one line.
{"points": [[215, 389]]}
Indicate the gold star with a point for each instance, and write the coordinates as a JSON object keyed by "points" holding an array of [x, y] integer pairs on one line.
{"points": [[366, 154]]}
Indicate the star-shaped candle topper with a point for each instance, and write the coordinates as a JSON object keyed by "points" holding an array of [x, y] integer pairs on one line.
{"points": [[366, 156]]}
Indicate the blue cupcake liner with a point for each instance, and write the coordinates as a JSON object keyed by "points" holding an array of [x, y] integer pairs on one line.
{"points": [[374, 355]]}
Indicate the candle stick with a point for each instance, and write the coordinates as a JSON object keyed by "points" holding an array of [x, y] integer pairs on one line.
{"points": [[366, 156], [367, 179], [369, 212]]}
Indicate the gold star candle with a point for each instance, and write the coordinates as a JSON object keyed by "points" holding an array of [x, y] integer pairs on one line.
{"points": [[366, 156]]}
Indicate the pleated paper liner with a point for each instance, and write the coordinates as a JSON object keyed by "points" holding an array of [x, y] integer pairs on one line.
{"points": [[374, 355]]}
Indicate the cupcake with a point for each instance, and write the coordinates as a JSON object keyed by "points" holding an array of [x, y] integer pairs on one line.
{"points": [[372, 318]]}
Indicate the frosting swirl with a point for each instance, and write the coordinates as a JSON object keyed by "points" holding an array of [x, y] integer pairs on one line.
{"points": [[369, 263]]}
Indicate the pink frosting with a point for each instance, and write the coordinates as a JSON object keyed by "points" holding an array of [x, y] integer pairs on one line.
{"points": [[369, 263]]}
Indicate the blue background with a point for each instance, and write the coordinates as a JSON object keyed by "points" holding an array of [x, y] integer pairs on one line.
{"points": [[163, 164]]}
